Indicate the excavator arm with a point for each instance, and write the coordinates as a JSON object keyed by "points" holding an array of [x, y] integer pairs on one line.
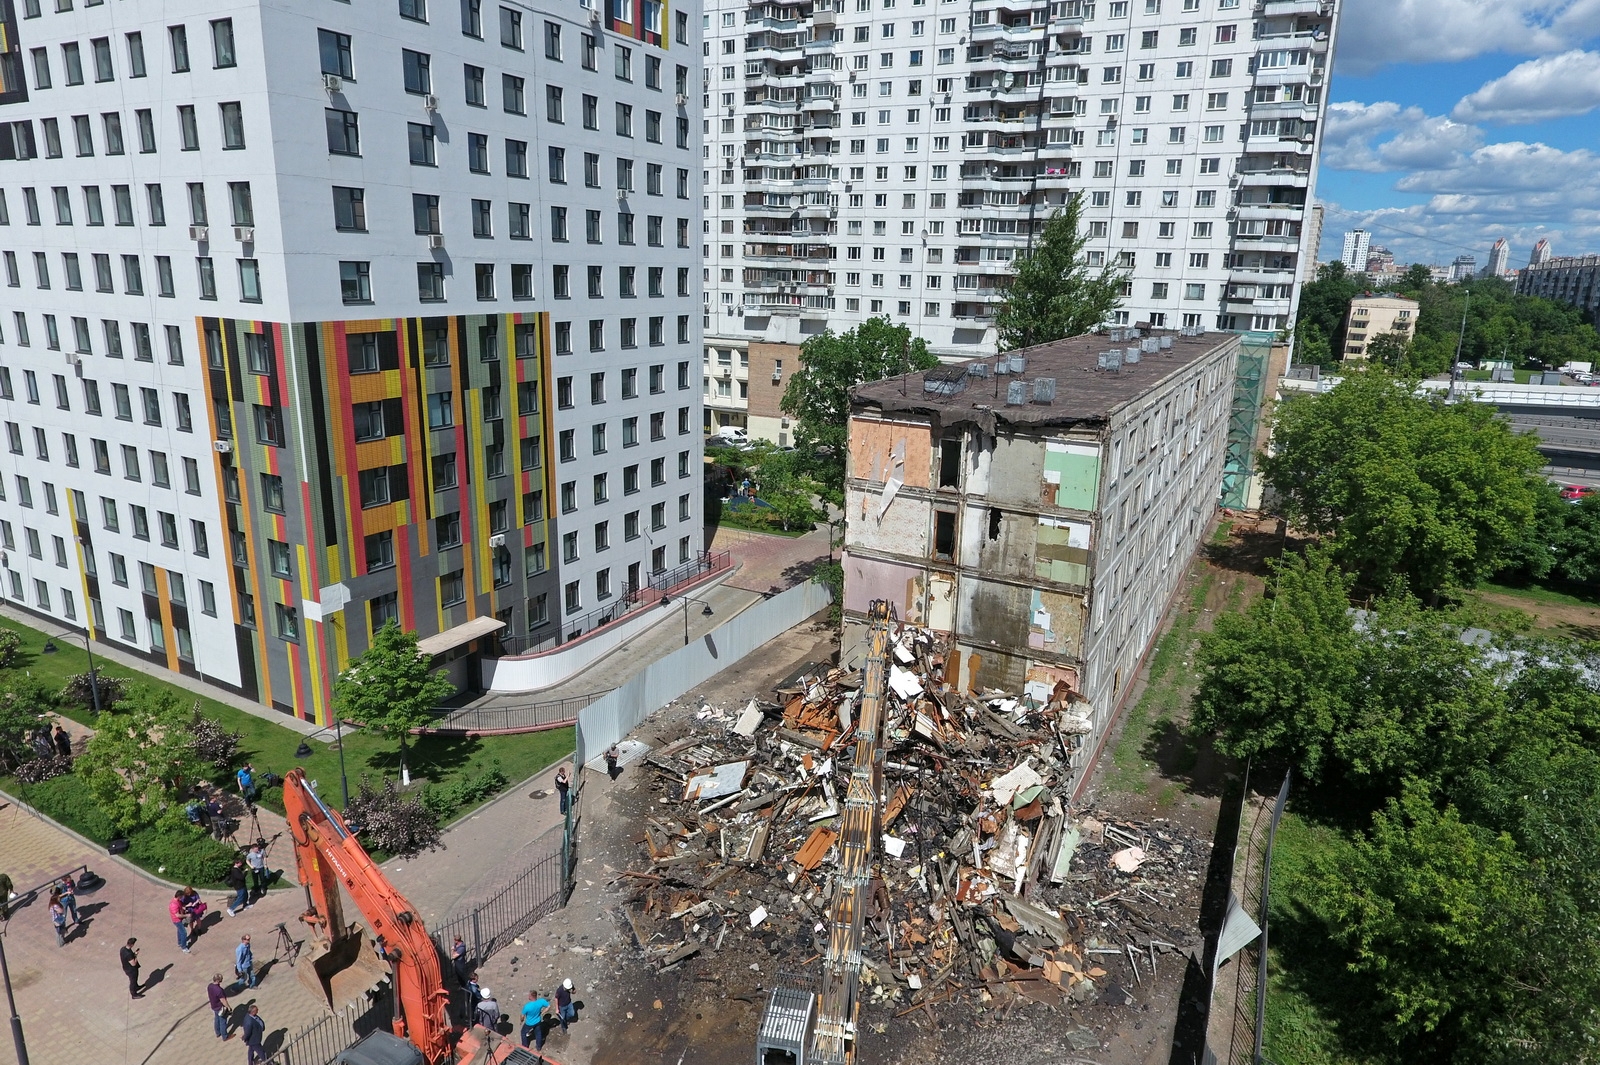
{"points": [[328, 858]]}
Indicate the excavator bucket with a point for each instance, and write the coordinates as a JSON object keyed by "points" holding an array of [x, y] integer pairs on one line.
{"points": [[342, 971]]}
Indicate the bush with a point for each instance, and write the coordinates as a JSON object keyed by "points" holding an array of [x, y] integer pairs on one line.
{"points": [[66, 799], [79, 692], [213, 743], [10, 647], [39, 770], [390, 822], [188, 854], [444, 801]]}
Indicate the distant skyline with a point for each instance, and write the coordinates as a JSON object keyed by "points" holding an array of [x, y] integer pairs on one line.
{"points": [[1452, 123]]}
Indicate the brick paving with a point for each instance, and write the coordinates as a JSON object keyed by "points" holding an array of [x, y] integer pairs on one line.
{"points": [[768, 562], [73, 1000]]}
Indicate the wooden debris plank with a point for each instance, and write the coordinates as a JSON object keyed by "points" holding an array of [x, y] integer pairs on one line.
{"points": [[816, 847]]}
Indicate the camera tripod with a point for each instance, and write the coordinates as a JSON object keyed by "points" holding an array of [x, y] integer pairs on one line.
{"points": [[285, 946]]}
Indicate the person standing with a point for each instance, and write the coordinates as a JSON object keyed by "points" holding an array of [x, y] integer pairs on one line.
{"points": [[194, 908], [63, 743], [256, 859], [253, 1029], [613, 755], [564, 1005], [219, 1007], [458, 960], [488, 1011], [69, 898], [533, 1020], [247, 783], [237, 880], [180, 919], [563, 785], [244, 962], [7, 889], [58, 917], [474, 993], [129, 956]]}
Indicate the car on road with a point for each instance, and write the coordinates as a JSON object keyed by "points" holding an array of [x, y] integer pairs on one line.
{"points": [[1574, 493]]}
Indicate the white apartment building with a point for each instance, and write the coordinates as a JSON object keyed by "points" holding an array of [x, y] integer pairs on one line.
{"points": [[1357, 248], [319, 315], [892, 157]]}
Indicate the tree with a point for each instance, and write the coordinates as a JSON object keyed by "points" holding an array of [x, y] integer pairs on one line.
{"points": [[1416, 278], [1391, 349], [1410, 486], [141, 760], [391, 688], [818, 394], [1325, 302], [1053, 292]]}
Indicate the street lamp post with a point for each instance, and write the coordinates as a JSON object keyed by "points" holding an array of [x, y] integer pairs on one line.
{"points": [[687, 599], [49, 648], [11, 1002], [304, 751]]}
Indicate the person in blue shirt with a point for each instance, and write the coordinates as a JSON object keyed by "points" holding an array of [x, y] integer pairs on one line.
{"points": [[533, 1020], [247, 783], [244, 962]]}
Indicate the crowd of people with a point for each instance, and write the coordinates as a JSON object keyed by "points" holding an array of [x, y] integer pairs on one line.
{"points": [[538, 1015]]}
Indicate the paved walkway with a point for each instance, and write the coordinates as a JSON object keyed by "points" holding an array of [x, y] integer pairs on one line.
{"points": [[770, 563], [73, 1000]]}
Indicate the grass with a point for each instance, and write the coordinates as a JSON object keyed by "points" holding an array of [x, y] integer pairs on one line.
{"points": [[1315, 1014], [1542, 595], [1162, 701], [270, 747], [1522, 376]]}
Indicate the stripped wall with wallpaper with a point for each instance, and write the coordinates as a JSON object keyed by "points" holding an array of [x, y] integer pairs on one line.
{"points": [[391, 469]]}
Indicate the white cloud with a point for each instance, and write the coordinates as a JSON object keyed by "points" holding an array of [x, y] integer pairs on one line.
{"points": [[1550, 87], [1383, 137], [1443, 227], [1513, 167], [1376, 33]]}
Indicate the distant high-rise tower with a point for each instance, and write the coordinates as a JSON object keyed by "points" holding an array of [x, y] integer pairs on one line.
{"points": [[1541, 252], [1463, 267], [1357, 243], [1499, 259]]}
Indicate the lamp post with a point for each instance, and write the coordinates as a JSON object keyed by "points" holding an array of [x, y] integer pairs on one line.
{"points": [[49, 648], [687, 599], [304, 751], [11, 1002]]}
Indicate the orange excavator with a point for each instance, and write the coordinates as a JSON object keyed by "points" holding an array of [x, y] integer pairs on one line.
{"points": [[342, 964]]}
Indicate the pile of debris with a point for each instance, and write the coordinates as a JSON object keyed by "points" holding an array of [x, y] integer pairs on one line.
{"points": [[989, 886]]}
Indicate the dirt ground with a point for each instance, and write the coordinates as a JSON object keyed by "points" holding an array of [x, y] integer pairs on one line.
{"points": [[1566, 619], [707, 1009]]}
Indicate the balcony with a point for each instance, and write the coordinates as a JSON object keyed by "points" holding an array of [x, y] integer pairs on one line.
{"points": [[1269, 211]]}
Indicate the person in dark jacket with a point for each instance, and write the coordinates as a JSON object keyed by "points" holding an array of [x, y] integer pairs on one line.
{"points": [[253, 1029], [63, 743], [236, 879], [129, 955], [564, 1004]]}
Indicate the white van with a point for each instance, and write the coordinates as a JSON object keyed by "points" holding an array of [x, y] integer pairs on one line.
{"points": [[731, 435]]}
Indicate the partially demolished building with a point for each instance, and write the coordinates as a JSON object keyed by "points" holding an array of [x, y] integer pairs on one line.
{"points": [[1038, 508]]}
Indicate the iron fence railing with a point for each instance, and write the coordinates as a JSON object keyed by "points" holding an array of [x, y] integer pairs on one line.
{"points": [[319, 1042], [524, 717], [537, 891], [567, 629]]}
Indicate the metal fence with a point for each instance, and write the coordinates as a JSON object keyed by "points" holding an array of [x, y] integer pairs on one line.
{"points": [[514, 717], [319, 1042], [537, 891]]}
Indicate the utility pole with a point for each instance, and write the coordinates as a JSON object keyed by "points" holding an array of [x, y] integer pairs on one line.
{"points": [[11, 1003]]}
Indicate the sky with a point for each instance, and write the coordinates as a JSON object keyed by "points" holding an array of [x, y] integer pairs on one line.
{"points": [[1453, 122]]}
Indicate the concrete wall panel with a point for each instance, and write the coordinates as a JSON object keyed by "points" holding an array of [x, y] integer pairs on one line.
{"points": [[1017, 471], [873, 442], [904, 528]]}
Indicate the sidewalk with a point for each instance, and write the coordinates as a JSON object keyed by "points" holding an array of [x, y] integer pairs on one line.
{"points": [[73, 1000], [771, 563], [107, 651]]}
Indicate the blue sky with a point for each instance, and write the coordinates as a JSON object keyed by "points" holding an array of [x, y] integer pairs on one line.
{"points": [[1453, 122]]}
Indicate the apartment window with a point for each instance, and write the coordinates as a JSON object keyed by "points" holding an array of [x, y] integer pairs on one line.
{"points": [[472, 18], [416, 73], [552, 41], [178, 39], [334, 49], [475, 90], [272, 493], [478, 153], [430, 282], [511, 28], [288, 622], [415, 10], [349, 208], [344, 133], [232, 126], [222, 53]]}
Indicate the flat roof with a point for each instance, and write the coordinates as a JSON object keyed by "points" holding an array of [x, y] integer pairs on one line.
{"points": [[1083, 391]]}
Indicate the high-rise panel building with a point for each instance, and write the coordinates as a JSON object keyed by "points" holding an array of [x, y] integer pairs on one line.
{"points": [[892, 157], [1463, 267], [321, 316], [1541, 252], [1357, 245], [1499, 259]]}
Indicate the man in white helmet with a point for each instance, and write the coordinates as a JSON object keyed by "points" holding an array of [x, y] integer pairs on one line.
{"points": [[568, 1011]]}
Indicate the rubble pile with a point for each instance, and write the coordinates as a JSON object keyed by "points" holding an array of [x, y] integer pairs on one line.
{"points": [[990, 891]]}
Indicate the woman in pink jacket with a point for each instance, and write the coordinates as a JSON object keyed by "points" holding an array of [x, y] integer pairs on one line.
{"points": [[180, 919]]}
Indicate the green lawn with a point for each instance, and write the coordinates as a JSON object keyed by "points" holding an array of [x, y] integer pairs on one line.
{"points": [[1166, 691], [1538, 593], [271, 747]]}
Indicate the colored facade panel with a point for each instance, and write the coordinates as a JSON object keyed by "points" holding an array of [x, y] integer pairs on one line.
{"points": [[1072, 471]]}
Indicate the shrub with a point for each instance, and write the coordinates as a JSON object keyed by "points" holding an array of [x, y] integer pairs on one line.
{"points": [[188, 854], [213, 743], [389, 821], [444, 801], [65, 799], [10, 647], [39, 770], [79, 692]]}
